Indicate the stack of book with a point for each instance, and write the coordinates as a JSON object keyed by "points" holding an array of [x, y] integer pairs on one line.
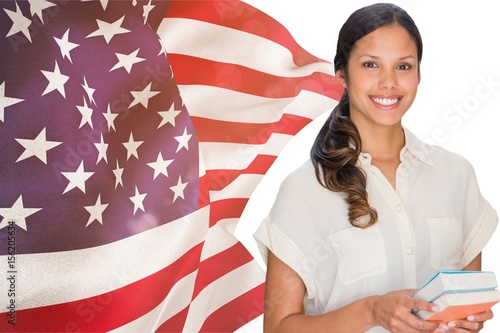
{"points": [[458, 294]]}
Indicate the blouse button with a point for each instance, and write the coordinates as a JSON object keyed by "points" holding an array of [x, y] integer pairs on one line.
{"points": [[398, 208], [409, 250], [403, 171]]}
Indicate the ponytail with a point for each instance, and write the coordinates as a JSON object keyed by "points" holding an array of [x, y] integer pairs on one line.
{"points": [[337, 147], [334, 155]]}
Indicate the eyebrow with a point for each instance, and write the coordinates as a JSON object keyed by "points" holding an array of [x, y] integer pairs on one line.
{"points": [[376, 57]]}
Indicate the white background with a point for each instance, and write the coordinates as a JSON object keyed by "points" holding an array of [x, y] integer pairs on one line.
{"points": [[461, 52]]}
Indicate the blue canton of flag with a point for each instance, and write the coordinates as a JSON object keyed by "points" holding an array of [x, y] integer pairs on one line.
{"points": [[97, 144]]}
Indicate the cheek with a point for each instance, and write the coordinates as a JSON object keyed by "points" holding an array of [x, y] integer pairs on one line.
{"points": [[362, 84], [412, 81]]}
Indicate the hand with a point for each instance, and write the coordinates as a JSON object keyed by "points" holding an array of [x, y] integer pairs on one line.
{"points": [[393, 312], [473, 323]]}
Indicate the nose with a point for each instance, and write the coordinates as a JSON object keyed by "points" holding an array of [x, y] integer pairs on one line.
{"points": [[388, 79]]}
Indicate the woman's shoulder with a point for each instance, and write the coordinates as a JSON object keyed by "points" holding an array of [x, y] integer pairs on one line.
{"points": [[302, 185], [444, 158], [304, 176], [444, 153], [437, 156]]}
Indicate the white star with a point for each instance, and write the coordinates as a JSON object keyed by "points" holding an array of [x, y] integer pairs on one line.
{"points": [[37, 147], [118, 172], [132, 146], [109, 30], [19, 23], [77, 178], [102, 148], [137, 199], [37, 7], [160, 166], [17, 213], [56, 81], [143, 96], [6, 101], [163, 51], [88, 90], [96, 211], [86, 114], [168, 116], [146, 10], [183, 140], [127, 61], [178, 189], [65, 45], [104, 4], [110, 119]]}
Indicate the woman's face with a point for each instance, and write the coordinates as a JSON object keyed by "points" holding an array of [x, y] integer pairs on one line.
{"points": [[382, 77]]}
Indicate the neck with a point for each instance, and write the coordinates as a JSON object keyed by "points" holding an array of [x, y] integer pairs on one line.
{"points": [[383, 144]]}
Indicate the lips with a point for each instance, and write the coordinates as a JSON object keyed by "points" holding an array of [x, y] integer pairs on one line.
{"points": [[386, 101]]}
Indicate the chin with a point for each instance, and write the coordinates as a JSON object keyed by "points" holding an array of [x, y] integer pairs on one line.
{"points": [[388, 122]]}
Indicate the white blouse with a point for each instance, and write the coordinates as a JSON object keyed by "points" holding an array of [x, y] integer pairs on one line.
{"points": [[436, 219]]}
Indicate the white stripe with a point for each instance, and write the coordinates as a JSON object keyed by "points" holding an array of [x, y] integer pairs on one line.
{"points": [[309, 104], [59, 277], [218, 239], [229, 224], [178, 299], [234, 284], [191, 37], [237, 156], [242, 187], [230, 105]]}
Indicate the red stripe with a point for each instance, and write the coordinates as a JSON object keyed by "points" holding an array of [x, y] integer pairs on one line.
{"points": [[193, 70], [106, 311], [236, 313], [241, 16], [175, 323], [216, 180], [226, 209], [260, 164], [219, 265], [203, 194], [210, 130]]}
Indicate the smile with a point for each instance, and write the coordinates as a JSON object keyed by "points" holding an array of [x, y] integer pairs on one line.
{"points": [[385, 101]]}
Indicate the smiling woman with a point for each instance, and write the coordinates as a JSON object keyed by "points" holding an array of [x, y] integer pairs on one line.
{"points": [[373, 104]]}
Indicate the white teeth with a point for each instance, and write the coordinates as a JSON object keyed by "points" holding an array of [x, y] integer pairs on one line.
{"points": [[385, 101]]}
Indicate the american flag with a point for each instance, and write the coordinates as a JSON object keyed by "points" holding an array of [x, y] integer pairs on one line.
{"points": [[119, 198]]}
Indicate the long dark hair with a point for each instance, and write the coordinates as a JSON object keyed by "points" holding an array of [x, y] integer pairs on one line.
{"points": [[337, 147]]}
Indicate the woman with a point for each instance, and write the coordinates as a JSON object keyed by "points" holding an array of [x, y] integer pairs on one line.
{"points": [[376, 212]]}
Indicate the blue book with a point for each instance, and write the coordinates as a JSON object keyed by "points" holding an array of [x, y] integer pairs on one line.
{"points": [[456, 282]]}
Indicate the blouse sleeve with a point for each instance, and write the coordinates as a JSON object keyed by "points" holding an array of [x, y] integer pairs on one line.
{"points": [[480, 221], [270, 238], [285, 233]]}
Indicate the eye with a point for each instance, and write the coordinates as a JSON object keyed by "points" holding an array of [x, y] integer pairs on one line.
{"points": [[404, 67], [369, 64]]}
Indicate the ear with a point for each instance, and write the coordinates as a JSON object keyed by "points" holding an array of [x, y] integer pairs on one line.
{"points": [[340, 75], [419, 78]]}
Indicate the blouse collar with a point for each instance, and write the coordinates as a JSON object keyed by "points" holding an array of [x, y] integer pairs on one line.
{"points": [[414, 147]]}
